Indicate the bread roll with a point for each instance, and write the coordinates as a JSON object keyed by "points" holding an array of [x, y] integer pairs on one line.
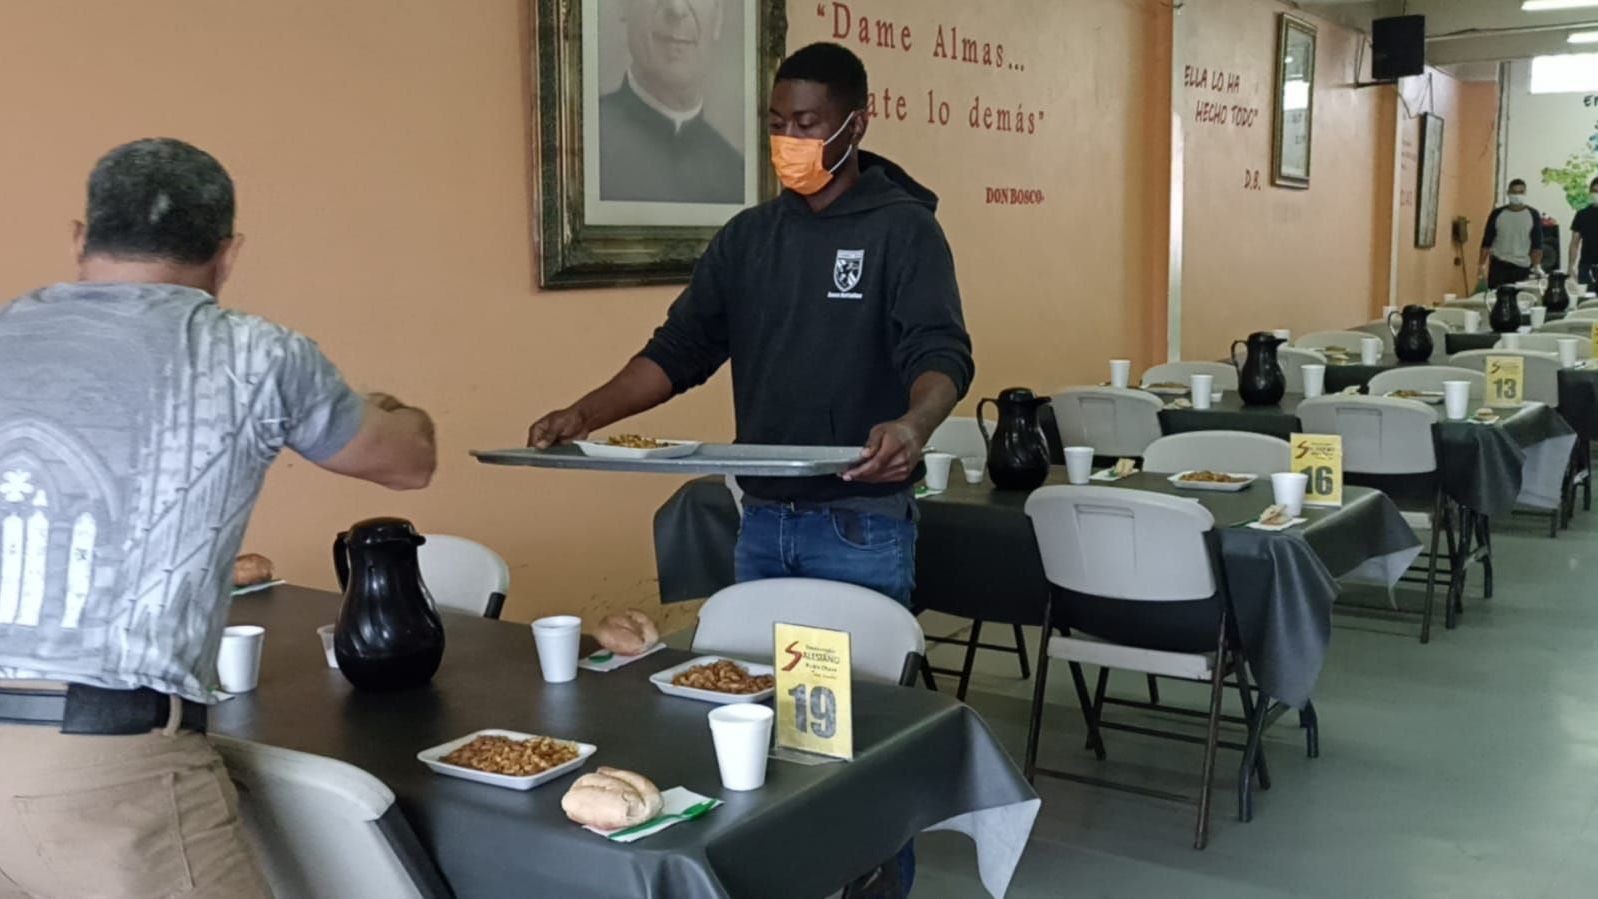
{"points": [[611, 799], [628, 633], [250, 569]]}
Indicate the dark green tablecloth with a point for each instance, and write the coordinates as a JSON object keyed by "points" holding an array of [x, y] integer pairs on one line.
{"points": [[1483, 465], [921, 759], [977, 558]]}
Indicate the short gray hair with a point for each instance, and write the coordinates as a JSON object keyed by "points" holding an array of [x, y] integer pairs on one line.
{"points": [[159, 198]]}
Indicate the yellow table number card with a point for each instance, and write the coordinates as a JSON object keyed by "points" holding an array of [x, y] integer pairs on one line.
{"points": [[1506, 380], [815, 710], [1320, 457]]}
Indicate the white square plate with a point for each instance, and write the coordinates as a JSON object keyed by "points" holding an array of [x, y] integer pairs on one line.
{"points": [[601, 450], [662, 682], [433, 758], [1176, 481]]}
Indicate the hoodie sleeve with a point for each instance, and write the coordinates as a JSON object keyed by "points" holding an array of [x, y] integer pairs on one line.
{"points": [[926, 322], [692, 343]]}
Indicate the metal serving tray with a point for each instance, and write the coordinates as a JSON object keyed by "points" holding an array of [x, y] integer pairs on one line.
{"points": [[712, 458]]}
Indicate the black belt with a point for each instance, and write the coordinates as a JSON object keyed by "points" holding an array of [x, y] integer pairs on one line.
{"points": [[96, 710]]}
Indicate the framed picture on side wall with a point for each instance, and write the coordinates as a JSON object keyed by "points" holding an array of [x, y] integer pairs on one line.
{"points": [[1431, 179], [651, 128], [1295, 102]]}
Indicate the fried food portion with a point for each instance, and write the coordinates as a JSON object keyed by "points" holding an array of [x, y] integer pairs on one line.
{"points": [[724, 677], [511, 757], [1212, 477], [633, 441]]}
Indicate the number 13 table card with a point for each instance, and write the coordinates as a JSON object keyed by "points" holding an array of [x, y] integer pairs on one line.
{"points": [[815, 712]]}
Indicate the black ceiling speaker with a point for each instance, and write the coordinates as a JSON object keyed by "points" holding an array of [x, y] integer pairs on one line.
{"points": [[1398, 47]]}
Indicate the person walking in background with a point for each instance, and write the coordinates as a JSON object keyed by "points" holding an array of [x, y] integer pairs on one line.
{"points": [[1511, 244], [137, 421], [1584, 239]]}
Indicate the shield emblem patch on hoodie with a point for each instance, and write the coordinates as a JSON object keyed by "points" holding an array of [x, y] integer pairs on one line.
{"points": [[846, 272]]}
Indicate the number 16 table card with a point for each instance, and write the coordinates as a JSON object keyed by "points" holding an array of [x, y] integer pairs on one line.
{"points": [[815, 711]]}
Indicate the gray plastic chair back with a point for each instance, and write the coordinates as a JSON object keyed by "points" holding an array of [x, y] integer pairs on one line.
{"points": [[1542, 370], [1543, 342], [464, 574], [1123, 544], [1570, 327], [1348, 340], [1180, 372], [960, 436], [1450, 316], [1380, 435], [738, 622], [1428, 377], [1582, 314], [1114, 422], [1379, 329], [1292, 360], [1439, 341], [1238, 452], [1588, 304]]}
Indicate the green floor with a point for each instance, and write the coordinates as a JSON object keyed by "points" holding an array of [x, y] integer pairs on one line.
{"points": [[1466, 768]]}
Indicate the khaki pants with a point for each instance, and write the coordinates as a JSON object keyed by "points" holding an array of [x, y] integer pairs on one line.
{"points": [[146, 816]]}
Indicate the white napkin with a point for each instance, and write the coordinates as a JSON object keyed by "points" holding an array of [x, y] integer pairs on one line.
{"points": [[605, 660], [675, 801], [1276, 527], [256, 588]]}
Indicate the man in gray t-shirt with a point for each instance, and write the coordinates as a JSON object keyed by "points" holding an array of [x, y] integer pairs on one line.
{"points": [[137, 421], [1512, 242]]}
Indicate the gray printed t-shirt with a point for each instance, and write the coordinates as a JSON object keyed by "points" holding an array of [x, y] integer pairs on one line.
{"points": [[137, 422]]}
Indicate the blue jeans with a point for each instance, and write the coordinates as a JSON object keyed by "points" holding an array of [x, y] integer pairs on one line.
{"points": [[832, 545], [869, 551]]}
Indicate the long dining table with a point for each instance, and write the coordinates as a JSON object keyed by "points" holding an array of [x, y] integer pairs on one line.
{"points": [[923, 762], [977, 558]]}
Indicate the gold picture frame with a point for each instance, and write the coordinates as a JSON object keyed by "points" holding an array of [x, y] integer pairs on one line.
{"points": [[584, 240], [1295, 102]]}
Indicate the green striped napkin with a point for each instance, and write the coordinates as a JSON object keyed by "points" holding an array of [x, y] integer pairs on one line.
{"points": [[679, 804]]}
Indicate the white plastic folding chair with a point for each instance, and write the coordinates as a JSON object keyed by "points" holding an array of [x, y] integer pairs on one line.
{"points": [[960, 436], [1451, 317], [464, 574], [1182, 372], [1378, 329], [1568, 327], [1292, 360], [324, 829], [1240, 452], [1348, 341], [1544, 342], [1390, 444], [1115, 422], [1428, 378], [1137, 584], [1582, 313], [1439, 332], [1542, 370], [885, 640]]}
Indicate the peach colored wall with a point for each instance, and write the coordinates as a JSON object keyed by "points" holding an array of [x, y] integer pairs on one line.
{"points": [[1470, 114], [1278, 258], [382, 156]]}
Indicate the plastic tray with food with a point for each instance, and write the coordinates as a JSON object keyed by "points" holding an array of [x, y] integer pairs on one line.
{"points": [[507, 758], [716, 679], [1222, 481], [1167, 388], [632, 446], [1430, 397]]}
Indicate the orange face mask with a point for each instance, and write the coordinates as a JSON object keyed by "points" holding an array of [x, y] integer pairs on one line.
{"points": [[798, 160]]}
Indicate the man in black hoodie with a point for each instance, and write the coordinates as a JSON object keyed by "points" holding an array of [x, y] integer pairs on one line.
{"points": [[836, 304]]}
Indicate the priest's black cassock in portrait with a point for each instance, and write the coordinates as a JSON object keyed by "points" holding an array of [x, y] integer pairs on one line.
{"points": [[649, 153]]}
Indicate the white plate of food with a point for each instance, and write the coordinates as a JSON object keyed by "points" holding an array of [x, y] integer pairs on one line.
{"points": [[1167, 388], [1430, 397], [507, 758], [632, 446], [716, 679], [1222, 481]]}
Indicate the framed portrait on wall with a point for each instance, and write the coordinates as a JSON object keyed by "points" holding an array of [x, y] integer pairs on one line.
{"points": [[1295, 102], [1431, 179], [651, 130]]}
